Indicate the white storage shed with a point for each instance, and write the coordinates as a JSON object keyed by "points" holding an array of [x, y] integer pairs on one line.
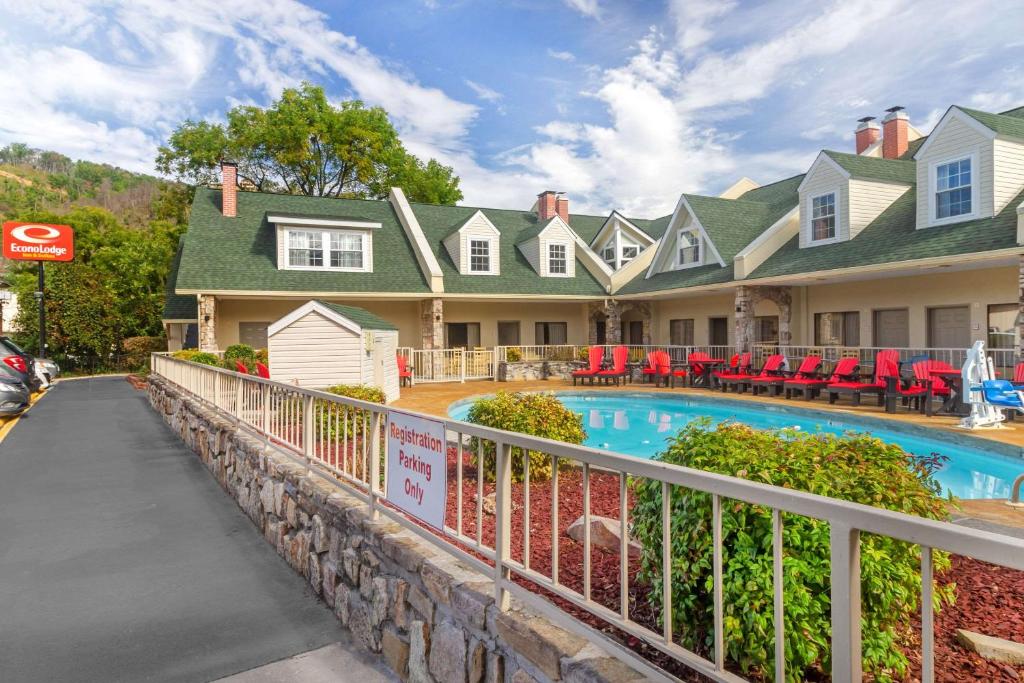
{"points": [[321, 344]]}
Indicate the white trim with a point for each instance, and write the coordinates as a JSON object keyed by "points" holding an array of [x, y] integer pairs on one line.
{"points": [[704, 234], [821, 159], [425, 256], [809, 225], [310, 307], [961, 116], [658, 254], [366, 238], [642, 237], [933, 186], [568, 254], [479, 212], [179, 321], [679, 265], [288, 219], [491, 270]]}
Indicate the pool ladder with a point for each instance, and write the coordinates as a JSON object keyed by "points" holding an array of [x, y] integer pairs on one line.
{"points": [[1015, 492]]}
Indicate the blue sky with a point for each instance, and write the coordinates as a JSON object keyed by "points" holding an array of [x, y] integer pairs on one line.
{"points": [[620, 104]]}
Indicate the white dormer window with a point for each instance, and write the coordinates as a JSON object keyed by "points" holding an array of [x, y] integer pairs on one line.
{"points": [[953, 189], [340, 250], [629, 252], [823, 217], [558, 263], [689, 247], [608, 255], [479, 256]]}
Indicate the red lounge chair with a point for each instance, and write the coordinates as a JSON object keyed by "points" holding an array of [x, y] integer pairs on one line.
{"points": [[620, 354], [659, 365], [404, 371], [810, 387], [739, 364], [262, 370], [808, 369], [1018, 376], [886, 365], [240, 367], [596, 355], [772, 369]]}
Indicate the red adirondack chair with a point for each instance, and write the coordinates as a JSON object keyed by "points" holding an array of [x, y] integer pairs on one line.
{"points": [[739, 364], [659, 365], [923, 374], [1018, 376], [404, 371], [262, 370], [886, 364], [240, 367], [809, 387], [596, 356], [620, 354], [808, 369], [772, 368]]}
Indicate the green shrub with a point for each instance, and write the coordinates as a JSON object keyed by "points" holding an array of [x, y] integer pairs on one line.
{"points": [[363, 392], [197, 356], [583, 353], [855, 467], [535, 414], [137, 350], [329, 423], [513, 354], [240, 352]]}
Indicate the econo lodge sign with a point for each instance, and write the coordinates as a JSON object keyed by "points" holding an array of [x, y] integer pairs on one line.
{"points": [[38, 242]]}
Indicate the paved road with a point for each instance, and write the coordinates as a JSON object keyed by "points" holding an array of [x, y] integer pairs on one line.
{"points": [[122, 560]]}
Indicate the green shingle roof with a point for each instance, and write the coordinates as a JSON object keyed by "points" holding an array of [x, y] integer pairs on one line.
{"points": [[360, 316], [1002, 124], [875, 168], [178, 306], [241, 253], [893, 237]]}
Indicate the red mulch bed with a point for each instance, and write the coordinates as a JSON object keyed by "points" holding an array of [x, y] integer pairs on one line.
{"points": [[990, 599]]}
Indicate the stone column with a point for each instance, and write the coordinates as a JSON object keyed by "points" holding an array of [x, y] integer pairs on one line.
{"points": [[614, 324], [744, 336], [207, 322], [648, 322], [783, 298], [432, 323]]}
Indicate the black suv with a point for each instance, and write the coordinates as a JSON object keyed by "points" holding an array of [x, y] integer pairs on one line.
{"points": [[21, 362]]}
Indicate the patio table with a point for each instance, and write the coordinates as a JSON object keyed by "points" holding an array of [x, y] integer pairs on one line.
{"points": [[954, 403], [704, 378]]}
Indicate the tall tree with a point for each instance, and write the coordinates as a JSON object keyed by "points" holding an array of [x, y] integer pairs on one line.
{"points": [[303, 144]]}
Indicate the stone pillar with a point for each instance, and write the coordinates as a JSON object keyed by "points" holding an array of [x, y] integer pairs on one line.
{"points": [[744, 336], [207, 322], [432, 323], [614, 324], [783, 298]]}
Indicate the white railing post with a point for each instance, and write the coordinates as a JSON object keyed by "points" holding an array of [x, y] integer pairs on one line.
{"points": [[216, 390], [462, 365], [502, 522], [239, 397], [307, 430], [265, 407], [495, 362], [375, 453], [846, 645]]}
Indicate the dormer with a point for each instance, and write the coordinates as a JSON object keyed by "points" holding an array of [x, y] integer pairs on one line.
{"points": [[551, 248], [686, 243], [475, 246], [619, 241], [321, 243], [842, 193], [969, 167]]}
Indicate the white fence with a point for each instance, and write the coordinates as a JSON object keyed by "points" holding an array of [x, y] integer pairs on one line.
{"points": [[449, 365], [343, 438], [1003, 359]]}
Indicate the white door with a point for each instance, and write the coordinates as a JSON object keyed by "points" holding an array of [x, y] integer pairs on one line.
{"points": [[949, 327]]}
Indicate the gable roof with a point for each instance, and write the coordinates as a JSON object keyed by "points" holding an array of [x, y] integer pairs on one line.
{"points": [[360, 316], [1002, 124], [240, 253], [892, 237], [178, 306], [875, 168]]}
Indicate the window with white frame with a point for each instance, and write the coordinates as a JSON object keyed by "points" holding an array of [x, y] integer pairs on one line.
{"points": [[689, 247], [558, 264], [823, 217], [327, 249], [479, 256], [608, 254], [953, 189], [629, 252]]}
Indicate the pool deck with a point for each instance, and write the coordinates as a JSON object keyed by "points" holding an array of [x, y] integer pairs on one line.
{"points": [[434, 399]]}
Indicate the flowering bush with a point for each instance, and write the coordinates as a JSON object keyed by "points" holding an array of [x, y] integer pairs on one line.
{"points": [[535, 414], [855, 467], [513, 354], [197, 356], [240, 352], [363, 392]]}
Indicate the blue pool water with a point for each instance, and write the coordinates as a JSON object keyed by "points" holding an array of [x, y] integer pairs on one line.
{"points": [[638, 424]]}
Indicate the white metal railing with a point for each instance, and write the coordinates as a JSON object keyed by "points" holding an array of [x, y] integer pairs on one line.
{"points": [[1003, 359], [343, 438], [448, 365], [579, 352]]}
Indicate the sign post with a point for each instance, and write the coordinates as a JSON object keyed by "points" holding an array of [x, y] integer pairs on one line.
{"points": [[417, 480], [39, 242]]}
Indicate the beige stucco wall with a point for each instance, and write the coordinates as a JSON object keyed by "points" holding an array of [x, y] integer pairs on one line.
{"points": [[976, 288], [488, 313], [701, 309]]}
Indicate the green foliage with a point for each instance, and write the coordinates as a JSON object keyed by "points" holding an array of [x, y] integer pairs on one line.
{"points": [[513, 354], [303, 144], [338, 422], [138, 349], [856, 467], [240, 352], [535, 414], [583, 353], [363, 392], [197, 356]]}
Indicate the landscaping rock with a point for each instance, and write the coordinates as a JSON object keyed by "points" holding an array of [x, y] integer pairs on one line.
{"points": [[604, 534], [419, 648], [448, 653], [396, 652], [537, 640], [994, 649]]}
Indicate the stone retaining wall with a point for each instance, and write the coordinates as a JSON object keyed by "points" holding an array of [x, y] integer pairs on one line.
{"points": [[527, 370], [433, 618]]}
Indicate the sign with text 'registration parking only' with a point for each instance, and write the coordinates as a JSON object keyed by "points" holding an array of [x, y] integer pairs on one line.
{"points": [[417, 467], [38, 242]]}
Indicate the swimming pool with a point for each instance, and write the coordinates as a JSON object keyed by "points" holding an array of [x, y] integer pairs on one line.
{"points": [[637, 423]]}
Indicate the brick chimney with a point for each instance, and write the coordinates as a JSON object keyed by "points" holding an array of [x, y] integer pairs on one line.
{"points": [[229, 188], [547, 205], [867, 133], [894, 133], [562, 204]]}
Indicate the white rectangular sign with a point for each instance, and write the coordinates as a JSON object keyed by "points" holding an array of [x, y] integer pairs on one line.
{"points": [[418, 467]]}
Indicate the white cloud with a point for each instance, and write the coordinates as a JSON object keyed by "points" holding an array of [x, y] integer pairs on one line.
{"points": [[563, 55], [589, 8], [692, 18], [483, 92]]}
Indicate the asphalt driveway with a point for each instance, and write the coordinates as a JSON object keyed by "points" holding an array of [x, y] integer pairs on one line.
{"points": [[122, 560]]}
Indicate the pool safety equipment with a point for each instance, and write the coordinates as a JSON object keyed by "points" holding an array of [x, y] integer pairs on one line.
{"points": [[987, 396]]}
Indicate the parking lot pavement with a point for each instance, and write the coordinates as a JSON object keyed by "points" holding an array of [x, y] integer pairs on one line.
{"points": [[122, 560]]}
